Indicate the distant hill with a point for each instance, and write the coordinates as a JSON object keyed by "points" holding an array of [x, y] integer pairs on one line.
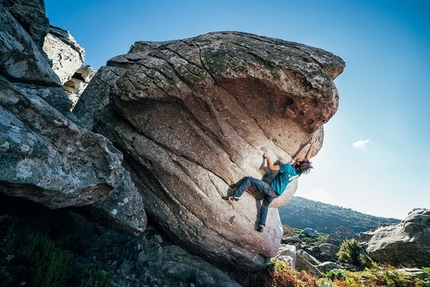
{"points": [[301, 213]]}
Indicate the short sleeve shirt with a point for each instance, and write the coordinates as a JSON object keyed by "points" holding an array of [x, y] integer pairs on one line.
{"points": [[286, 174]]}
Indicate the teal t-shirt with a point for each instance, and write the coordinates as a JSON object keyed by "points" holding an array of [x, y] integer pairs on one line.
{"points": [[286, 174]]}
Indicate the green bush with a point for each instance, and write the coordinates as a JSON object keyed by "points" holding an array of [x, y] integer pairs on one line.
{"points": [[352, 252], [313, 241], [336, 274]]}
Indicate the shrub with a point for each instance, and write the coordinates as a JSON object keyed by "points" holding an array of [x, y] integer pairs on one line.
{"points": [[352, 252], [288, 230], [313, 241], [336, 274]]}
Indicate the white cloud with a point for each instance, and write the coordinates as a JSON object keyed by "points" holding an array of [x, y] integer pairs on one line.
{"points": [[360, 144]]}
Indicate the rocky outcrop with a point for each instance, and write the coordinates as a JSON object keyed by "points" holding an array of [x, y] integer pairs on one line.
{"points": [[67, 58], [327, 252], [148, 259], [339, 235], [44, 156], [406, 243], [78, 83], [194, 116], [30, 14], [66, 55], [306, 262], [21, 59]]}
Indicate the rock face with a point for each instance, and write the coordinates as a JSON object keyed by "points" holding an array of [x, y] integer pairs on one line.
{"points": [[406, 243], [67, 58], [78, 83], [44, 156], [194, 116], [21, 59], [66, 55], [339, 235], [30, 14]]}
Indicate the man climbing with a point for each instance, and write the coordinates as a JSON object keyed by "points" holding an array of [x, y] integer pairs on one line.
{"points": [[285, 174]]}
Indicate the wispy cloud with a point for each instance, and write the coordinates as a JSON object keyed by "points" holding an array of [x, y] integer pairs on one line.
{"points": [[361, 144]]}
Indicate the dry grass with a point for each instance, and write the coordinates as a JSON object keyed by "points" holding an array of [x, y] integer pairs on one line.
{"points": [[281, 275]]}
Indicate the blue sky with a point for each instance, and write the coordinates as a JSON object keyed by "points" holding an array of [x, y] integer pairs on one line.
{"points": [[375, 157]]}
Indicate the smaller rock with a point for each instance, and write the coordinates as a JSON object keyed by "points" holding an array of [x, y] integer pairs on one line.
{"points": [[416, 272], [328, 252], [66, 55], [308, 257], [290, 239], [287, 254], [310, 232], [339, 235], [327, 266], [303, 264], [77, 84]]}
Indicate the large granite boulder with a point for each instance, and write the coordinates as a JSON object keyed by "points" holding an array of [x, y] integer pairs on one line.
{"points": [[44, 156], [406, 243], [194, 116]]}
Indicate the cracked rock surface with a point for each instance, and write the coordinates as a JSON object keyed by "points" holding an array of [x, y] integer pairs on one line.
{"points": [[194, 116], [45, 156]]}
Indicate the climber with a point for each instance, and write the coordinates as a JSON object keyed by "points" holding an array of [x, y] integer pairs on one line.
{"points": [[285, 174]]}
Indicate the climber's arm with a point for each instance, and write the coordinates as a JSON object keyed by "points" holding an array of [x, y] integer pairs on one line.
{"points": [[270, 164], [309, 153]]}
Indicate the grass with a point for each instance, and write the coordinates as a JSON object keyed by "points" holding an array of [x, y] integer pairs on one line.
{"points": [[32, 259], [312, 241], [281, 275]]}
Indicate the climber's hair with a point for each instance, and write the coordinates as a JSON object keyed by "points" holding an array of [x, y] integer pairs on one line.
{"points": [[303, 167]]}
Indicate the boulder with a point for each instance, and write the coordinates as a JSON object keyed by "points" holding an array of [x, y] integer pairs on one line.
{"points": [[406, 243], [78, 83], [287, 254], [44, 155], [328, 252], [305, 255], [21, 59], [309, 232], [327, 266], [30, 15], [306, 262], [339, 235], [194, 116], [66, 55]]}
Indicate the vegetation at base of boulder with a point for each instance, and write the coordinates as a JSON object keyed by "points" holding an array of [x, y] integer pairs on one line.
{"points": [[301, 213], [281, 275], [352, 252], [377, 276], [32, 259], [312, 241]]}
